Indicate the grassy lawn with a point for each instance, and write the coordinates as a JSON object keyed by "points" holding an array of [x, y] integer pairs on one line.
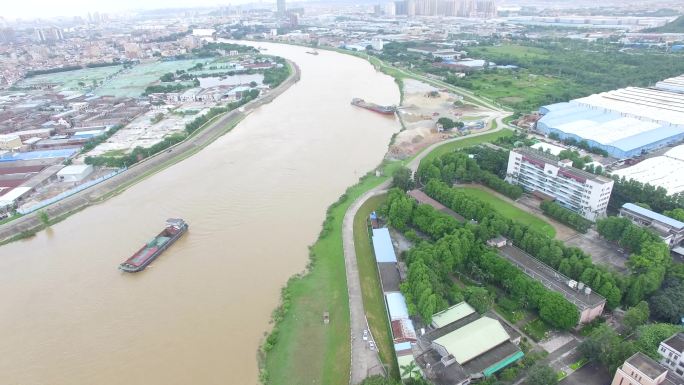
{"points": [[114, 153], [467, 142], [537, 329], [373, 299], [513, 316], [509, 211], [518, 89], [561, 375], [579, 364]]}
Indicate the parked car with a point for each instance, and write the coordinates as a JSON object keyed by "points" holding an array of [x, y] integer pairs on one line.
{"points": [[365, 335], [371, 345]]}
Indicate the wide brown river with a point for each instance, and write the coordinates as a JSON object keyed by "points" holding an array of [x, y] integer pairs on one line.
{"points": [[254, 199]]}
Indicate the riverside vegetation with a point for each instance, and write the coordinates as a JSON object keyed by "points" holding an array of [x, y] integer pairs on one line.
{"points": [[304, 350]]}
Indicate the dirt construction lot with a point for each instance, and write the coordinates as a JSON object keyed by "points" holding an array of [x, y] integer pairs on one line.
{"points": [[422, 106]]}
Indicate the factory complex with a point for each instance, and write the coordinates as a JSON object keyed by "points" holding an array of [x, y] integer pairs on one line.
{"points": [[662, 171], [625, 123]]}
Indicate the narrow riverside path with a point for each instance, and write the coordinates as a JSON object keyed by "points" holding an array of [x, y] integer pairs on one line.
{"points": [[366, 362]]}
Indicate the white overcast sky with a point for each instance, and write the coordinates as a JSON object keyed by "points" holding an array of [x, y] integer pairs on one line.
{"points": [[29, 9]]}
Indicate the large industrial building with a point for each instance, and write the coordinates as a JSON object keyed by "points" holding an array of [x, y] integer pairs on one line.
{"points": [[670, 230], [589, 304], [549, 176], [624, 122], [660, 171], [675, 84], [461, 346]]}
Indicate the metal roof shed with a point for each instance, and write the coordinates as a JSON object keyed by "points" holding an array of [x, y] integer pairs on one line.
{"points": [[452, 314], [473, 339], [382, 246], [396, 305]]}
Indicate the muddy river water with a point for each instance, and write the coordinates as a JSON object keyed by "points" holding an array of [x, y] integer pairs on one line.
{"points": [[254, 199]]}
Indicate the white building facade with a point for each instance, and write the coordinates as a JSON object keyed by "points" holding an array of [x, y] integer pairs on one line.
{"points": [[672, 352], [577, 190]]}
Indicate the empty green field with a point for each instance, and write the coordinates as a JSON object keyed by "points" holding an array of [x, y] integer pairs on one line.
{"points": [[521, 89], [465, 142], [69, 80], [132, 82], [509, 211], [511, 50]]}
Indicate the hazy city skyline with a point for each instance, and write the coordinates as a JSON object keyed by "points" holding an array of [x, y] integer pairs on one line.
{"points": [[32, 9]]}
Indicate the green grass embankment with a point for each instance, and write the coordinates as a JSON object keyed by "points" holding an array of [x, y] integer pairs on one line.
{"points": [[373, 298], [306, 351]]}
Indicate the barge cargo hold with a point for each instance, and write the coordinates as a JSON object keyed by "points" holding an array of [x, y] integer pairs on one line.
{"points": [[174, 229], [386, 110]]}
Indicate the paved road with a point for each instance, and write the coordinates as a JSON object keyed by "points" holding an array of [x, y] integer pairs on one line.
{"points": [[365, 362], [137, 172]]}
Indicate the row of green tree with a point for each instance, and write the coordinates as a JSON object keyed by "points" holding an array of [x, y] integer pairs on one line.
{"points": [[570, 261], [583, 144], [168, 88], [276, 75], [609, 349], [202, 120], [458, 166], [667, 304], [490, 159], [629, 191], [677, 214], [650, 258], [429, 287], [138, 153], [96, 140], [570, 218], [648, 263], [448, 124], [219, 49]]}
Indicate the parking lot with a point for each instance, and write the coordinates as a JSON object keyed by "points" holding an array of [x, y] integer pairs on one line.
{"points": [[589, 374], [601, 251]]}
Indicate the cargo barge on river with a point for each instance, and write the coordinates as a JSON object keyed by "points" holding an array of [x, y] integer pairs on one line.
{"points": [[174, 229], [386, 110]]}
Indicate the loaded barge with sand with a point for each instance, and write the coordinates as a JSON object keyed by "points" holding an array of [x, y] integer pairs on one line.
{"points": [[174, 229], [386, 110]]}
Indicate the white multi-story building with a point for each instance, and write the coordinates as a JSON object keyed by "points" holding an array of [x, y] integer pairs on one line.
{"points": [[549, 176], [672, 352]]}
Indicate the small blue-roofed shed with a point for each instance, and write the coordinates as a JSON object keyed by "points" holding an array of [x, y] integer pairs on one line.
{"points": [[382, 246], [396, 305]]}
